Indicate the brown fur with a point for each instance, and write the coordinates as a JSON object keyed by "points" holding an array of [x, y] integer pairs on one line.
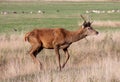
{"points": [[57, 38]]}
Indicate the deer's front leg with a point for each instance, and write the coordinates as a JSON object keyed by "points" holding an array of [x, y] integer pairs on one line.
{"points": [[58, 56]]}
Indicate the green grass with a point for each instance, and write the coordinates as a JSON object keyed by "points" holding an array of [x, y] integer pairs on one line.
{"points": [[67, 17], [51, 7]]}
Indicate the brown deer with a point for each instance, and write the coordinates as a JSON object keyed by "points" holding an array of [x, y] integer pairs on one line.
{"points": [[57, 38]]}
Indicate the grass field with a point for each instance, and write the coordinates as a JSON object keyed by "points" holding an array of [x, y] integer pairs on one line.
{"points": [[96, 59], [66, 15]]}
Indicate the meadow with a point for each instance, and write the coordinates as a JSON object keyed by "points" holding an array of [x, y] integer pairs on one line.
{"points": [[95, 59]]}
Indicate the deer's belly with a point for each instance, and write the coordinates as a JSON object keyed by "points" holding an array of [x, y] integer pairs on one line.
{"points": [[48, 45]]}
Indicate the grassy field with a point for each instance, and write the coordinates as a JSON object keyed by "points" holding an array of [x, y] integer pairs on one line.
{"points": [[63, 14], [96, 59]]}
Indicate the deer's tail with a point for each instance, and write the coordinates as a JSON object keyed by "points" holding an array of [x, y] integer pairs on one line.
{"points": [[26, 38]]}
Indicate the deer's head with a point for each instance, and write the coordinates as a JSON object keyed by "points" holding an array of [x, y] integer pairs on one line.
{"points": [[88, 29]]}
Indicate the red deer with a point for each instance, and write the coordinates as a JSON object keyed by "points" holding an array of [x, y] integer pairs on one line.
{"points": [[57, 38]]}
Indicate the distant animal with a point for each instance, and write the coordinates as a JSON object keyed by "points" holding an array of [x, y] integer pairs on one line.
{"points": [[56, 38], [14, 12], [14, 29]]}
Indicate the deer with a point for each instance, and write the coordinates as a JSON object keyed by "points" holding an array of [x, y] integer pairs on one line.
{"points": [[57, 38]]}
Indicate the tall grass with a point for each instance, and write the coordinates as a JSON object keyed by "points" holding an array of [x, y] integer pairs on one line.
{"points": [[95, 59]]}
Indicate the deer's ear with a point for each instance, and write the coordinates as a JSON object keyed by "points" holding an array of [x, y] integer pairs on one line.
{"points": [[89, 24], [84, 24]]}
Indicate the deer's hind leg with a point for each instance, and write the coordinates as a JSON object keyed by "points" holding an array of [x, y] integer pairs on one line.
{"points": [[67, 57], [36, 48]]}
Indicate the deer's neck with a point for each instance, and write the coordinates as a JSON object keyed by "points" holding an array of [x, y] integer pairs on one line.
{"points": [[77, 35]]}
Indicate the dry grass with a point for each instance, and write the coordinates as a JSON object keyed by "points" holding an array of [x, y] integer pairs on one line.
{"points": [[107, 23], [96, 59]]}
